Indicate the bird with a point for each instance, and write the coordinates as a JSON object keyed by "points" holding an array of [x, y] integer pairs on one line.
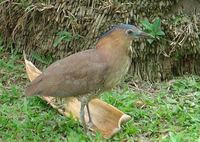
{"points": [[86, 74]]}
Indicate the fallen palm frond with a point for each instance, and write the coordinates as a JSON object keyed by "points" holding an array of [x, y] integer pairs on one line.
{"points": [[35, 26]]}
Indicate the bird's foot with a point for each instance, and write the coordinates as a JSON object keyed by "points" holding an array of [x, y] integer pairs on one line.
{"points": [[90, 125]]}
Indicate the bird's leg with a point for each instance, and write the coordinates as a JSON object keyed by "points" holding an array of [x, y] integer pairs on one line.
{"points": [[82, 116], [88, 110], [90, 122]]}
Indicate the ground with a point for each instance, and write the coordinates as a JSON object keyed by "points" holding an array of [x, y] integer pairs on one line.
{"points": [[167, 111]]}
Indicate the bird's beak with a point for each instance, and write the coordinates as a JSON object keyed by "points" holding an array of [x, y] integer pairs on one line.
{"points": [[141, 34], [145, 35]]}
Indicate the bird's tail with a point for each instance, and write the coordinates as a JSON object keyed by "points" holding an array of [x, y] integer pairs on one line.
{"points": [[34, 87]]}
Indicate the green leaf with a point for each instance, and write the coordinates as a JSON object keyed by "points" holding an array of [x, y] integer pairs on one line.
{"points": [[157, 23], [67, 38], [161, 33], [150, 41], [64, 33], [62, 36], [38, 58], [153, 29], [146, 24], [156, 26], [58, 41]]}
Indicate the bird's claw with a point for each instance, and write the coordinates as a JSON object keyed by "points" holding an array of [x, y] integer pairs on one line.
{"points": [[90, 125]]}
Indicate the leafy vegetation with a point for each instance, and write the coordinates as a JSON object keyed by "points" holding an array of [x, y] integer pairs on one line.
{"points": [[153, 29], [64, 36], [167, 112]]}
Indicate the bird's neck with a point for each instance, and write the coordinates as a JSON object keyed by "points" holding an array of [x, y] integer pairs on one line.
{"points": [[114, 45]]}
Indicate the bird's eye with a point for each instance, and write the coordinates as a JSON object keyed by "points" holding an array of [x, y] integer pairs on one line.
{"points": [[129, 32]]}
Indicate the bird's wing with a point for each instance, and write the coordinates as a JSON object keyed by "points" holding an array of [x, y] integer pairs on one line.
{"points": [[80, 74]]}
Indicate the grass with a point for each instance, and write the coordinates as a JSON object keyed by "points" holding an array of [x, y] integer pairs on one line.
{"points": [[167, 112]]}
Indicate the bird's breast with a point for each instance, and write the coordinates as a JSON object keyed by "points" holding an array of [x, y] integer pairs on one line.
{"points": [[118, 71]]}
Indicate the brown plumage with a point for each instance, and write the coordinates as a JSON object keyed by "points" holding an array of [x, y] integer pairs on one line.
{"points": [[88, 73]]}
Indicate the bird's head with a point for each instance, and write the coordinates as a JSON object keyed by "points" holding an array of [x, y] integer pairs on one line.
{"points": [[121, 35], [129, 31]]}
